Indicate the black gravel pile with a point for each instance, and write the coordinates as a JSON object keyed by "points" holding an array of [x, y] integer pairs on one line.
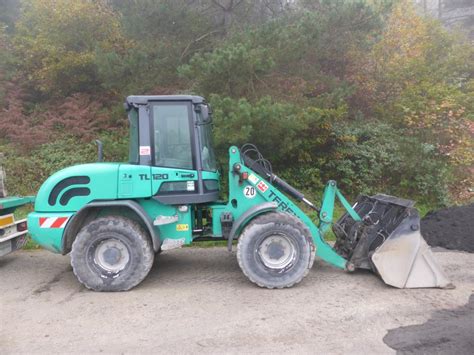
{"points": [[449, 331], [450, 228]]}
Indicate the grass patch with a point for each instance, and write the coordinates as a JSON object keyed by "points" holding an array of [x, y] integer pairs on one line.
{"points": [[22, 213], [209, 244], [31, 245], [423, 209]]}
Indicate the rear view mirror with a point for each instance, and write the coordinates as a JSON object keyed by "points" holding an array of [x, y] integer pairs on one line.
{"points": [[205, 114]]}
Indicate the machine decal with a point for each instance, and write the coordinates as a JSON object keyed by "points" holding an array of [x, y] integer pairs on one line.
{"points": [[262, 186], [53, 222], [182, 227], [145, 150], [65, 183], [160, 176], [190, 186], [76, 191], [281, 204], [250, 192], [253, 179]]}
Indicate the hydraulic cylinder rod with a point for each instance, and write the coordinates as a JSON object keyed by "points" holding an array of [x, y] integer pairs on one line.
{"points": [[277, 181]]}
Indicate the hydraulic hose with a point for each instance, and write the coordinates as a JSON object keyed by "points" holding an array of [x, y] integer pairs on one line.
{"points": [[277, 181]]}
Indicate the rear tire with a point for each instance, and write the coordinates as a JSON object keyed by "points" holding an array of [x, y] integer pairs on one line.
{"points": [[111, 253], [275, 250]]}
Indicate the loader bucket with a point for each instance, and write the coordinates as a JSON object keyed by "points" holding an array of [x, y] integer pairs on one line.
{"points": [[388, 242]]}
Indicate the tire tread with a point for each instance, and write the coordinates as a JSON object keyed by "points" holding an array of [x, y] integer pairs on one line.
{"points": [[147, 250], [283, 218]]}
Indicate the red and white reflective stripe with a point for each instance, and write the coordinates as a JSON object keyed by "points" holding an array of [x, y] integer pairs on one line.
{"points": [[53, 222]]}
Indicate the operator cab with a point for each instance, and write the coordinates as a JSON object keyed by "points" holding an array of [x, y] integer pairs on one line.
{"points": [[172, 134]]}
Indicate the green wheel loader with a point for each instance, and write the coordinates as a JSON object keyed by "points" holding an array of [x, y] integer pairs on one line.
{"points": [[115, 218]]}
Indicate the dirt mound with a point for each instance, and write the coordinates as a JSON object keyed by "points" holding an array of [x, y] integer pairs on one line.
{"points": [[447, 332], [450, 228]]}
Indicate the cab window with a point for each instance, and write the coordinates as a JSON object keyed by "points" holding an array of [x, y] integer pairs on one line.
{"points": [[172, 138], [133, 157]]}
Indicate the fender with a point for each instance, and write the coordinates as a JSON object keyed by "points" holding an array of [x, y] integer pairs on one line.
{"points": [[246, 217], [76, 222]]}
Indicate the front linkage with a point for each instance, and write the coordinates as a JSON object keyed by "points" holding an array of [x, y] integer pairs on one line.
{"points": [[379, 233], [257, 171]]}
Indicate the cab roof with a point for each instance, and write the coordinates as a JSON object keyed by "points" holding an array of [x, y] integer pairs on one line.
{"points": [[145, 99]]}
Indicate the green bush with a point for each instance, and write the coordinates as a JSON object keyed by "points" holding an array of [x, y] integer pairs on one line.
{"points": [[376, 157], [26, 173]]}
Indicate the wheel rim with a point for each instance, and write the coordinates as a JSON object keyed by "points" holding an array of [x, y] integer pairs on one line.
{"points": [[277, 251], [112, 255]]}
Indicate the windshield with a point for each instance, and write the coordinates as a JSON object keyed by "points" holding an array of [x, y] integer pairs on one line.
{"points": [[207, 152]]}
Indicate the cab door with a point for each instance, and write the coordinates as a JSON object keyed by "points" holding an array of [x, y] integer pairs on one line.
{"points": [[174, 173]]}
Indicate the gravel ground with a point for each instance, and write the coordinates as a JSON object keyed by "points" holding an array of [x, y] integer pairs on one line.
{"points": [[197, 300]]}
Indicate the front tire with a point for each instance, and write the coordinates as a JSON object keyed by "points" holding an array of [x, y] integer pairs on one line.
{"points": [[111, 253], [275, 250]]}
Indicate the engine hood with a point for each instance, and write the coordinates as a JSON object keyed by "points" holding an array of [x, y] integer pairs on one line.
{"points": [[71, 188]]}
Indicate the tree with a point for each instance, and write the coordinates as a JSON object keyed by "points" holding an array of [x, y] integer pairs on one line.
{"points": [[56, 41], [298, 55], [419, 78]]}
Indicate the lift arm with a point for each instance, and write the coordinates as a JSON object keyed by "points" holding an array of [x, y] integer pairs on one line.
{"points": [[327, 207]]}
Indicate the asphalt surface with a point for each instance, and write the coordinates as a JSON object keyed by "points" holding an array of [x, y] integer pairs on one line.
{"points": [[197, 300]]}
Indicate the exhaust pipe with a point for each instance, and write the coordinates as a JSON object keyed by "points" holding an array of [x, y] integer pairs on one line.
{"points": [[100, 150]]}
